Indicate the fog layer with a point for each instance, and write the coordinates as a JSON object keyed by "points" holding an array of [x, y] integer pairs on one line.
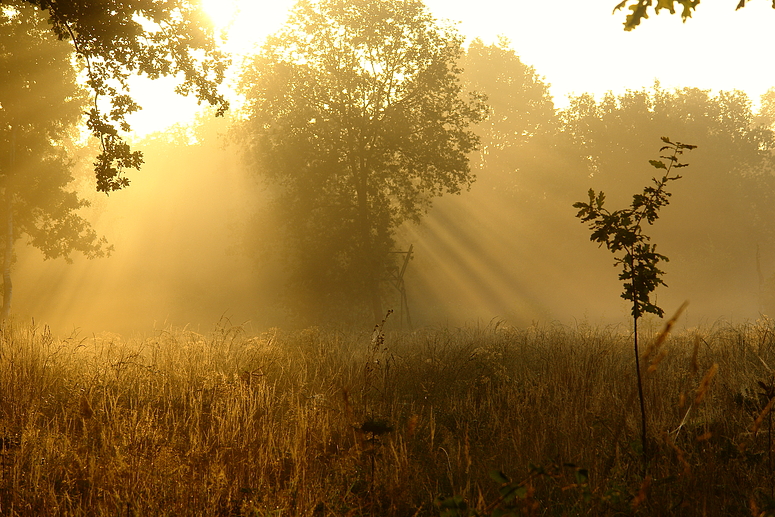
{"points": [[193, 236]]}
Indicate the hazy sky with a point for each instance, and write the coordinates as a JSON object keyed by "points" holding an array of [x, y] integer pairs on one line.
{"points": [[577, 45]]}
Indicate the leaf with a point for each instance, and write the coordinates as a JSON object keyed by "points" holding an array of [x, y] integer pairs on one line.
{"points": [[582, 476], [521, 492], [499, 477], [658, 164], [619, 6], [665, 4]]}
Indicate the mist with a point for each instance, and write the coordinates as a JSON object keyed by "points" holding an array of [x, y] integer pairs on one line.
{"points": [[196, 239], [186, 232], [177, 259]]}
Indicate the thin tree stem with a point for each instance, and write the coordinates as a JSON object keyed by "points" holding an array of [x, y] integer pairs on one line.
{"points": [[643, 439]]}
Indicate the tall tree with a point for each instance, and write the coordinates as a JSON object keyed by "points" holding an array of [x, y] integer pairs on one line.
{"points": [[40, 106], [521, 106], [118, 38], [355, 111], [521, 126]]}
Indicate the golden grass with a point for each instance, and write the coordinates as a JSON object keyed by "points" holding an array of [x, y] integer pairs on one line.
{"points": [[325, 422]]}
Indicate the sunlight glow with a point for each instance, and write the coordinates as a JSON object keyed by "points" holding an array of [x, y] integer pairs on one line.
{"points": [[241, 26], [221, 12], [576, 46], [245, 24]]}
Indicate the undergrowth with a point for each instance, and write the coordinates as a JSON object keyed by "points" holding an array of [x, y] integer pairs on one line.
{"points": [[441, 421]]}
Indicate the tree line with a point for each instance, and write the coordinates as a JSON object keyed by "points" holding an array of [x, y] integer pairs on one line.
{"points": [[358, 116]]}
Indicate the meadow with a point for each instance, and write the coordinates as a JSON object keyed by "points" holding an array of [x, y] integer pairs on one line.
{"points": [[488, 420]]}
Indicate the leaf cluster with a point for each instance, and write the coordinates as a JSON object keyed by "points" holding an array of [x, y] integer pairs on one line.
{"points": [[42, 104], [622, 231], [639, 9], [115, 39]]}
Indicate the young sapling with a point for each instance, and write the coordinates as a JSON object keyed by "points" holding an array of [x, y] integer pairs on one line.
{"points": [[622, 233]]}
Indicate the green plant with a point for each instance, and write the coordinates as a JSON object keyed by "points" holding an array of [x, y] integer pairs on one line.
{"points": [[622, 232], [517, 497]]}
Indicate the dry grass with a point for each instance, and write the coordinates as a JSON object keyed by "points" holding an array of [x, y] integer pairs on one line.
{"points": [[324, 422]]}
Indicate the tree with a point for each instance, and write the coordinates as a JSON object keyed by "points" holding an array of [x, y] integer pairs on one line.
{"points": [[355, 112], [622, 232], [640, 9], [520, 104], [40, 106], [728, 204], [115, 39]]}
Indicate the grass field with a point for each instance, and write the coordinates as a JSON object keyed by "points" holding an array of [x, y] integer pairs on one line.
{"points": [[472, 421]]}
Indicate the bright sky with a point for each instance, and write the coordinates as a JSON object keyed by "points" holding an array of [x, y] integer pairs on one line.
{"points": [[577, 45]]}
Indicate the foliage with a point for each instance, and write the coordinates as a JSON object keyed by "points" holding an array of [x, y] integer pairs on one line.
{"points": [[520, 132], [519, 101], [119, 38], [640, 9], [41, 107], [356, 118], [726, 209], [766, 115], [621, 231]]}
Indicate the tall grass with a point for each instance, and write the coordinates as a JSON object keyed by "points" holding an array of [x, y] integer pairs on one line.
{"points": [[325, 422]]}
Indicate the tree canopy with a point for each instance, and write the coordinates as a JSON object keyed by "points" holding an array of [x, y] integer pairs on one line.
{"points": [[357, 115], [115, 39], [727, 200], [41, 105], [520, 105]]}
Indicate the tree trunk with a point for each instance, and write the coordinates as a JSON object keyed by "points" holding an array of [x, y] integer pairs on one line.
{"points": [[371, 267], [8, 250], [7, 257]]}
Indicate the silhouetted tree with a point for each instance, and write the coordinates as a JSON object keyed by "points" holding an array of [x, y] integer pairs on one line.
{"points": [[40, 106], [118, 38], [622, 233], [357, 115]]}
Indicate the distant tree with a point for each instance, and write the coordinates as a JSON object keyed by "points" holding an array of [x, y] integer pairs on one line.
{"points": [[521, 124], [40, 106], [525, 170], [521, 106], [640, 9], [766, 115], [355, 112], [118, 38], [729, 202]]}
